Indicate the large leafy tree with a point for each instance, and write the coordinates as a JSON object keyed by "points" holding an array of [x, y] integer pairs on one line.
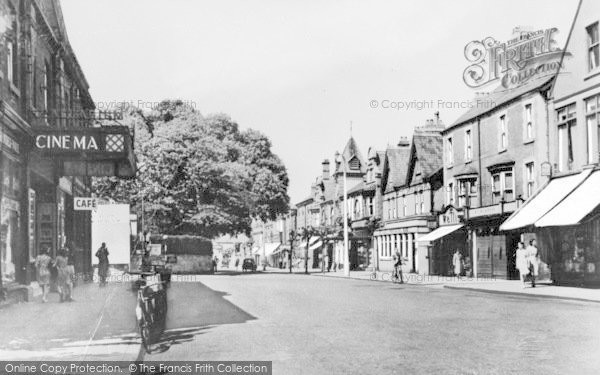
{"points": [[197, 175]]}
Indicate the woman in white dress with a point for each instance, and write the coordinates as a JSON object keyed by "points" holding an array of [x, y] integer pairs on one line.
{"points": [[522, 262]]}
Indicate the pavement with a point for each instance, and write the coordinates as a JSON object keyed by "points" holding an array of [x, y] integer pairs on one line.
{"points": [[543, 289], [308, 324]]}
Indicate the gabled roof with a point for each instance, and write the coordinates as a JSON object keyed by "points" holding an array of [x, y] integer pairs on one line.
{"points": [[350, 152], [426, 155], [500, 96], [395, 167]]}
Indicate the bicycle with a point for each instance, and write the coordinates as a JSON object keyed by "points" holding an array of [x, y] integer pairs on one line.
{"points": [[151, 311], [397, 274]]}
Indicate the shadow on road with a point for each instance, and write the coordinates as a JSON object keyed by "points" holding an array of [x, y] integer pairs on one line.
{"points": [[194, 308]]}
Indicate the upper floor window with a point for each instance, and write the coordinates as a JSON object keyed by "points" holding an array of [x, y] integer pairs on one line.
{"points": [[592, 116], [12, 58], [593, 46], [417, 204], [503, 186], [46, 86], [404, 206], [529, 179], [567, 120], [528, 122], [394, 207], [467, 190], [422, 202], [503, 135], [449, 151], [450, 194], [468, 147], [371, 206]]}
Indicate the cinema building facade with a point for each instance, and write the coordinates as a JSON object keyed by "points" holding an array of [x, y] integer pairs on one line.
{"points": [[51, 144]]}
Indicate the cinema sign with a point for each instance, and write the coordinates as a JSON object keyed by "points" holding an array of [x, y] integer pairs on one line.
{"points": [[99, 151]]}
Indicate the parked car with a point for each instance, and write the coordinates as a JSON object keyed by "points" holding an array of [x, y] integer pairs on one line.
{"points": [[249, 265]]}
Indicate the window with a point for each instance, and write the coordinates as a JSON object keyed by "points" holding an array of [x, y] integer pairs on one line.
{"points": [[467, 190], [503, 186], [503, 136], [404, 206], [422, 202], [449, 151], [468, 148], [593, 126], [417, 204], [566, 118], [529, 179], [331, 216], [9, 61], [12, 58], [371, 212], [528, 123], [395, 207], [592, 42], [450, 194], [45, 88]]}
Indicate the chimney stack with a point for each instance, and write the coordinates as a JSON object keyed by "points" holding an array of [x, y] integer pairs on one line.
{"points": [[325, 169], [404, 142]]}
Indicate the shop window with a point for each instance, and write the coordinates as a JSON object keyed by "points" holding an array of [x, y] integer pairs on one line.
{"points": [[593, 47]]}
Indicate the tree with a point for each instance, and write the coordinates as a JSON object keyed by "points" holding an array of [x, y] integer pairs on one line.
{"points": [[201, 176]]}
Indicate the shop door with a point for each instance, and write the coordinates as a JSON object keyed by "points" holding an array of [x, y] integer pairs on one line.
{"points": [[499, 263], [484, 256]]}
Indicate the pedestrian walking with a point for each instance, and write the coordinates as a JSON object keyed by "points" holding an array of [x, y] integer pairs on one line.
{"points": [[458, 263], [533, 258], [521, 262], [398, 267], [42, 265], [64, 278], [215, 261], [102, 255], [237, 263]]}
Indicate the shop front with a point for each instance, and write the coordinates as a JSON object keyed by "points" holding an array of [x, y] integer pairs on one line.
{"points": [[570, 233]]}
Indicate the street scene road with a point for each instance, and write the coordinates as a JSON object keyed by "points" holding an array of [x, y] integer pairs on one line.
{"points": [[361, 327], [266, 187]]}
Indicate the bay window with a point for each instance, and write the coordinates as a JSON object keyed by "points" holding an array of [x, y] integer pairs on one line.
{"points": [[503, 186]]}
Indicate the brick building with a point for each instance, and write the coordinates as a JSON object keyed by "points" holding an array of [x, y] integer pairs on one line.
{"points": [[40, 78]]}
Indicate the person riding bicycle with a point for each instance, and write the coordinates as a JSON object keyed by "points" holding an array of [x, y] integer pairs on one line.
{"points": [[397, 275]]}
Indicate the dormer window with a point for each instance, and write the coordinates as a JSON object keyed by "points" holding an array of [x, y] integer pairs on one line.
{"points": [[354, 164]]}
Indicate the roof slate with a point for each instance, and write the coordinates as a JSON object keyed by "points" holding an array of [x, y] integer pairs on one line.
{"points": [[429, 152], [499, 97], [397, 164]]}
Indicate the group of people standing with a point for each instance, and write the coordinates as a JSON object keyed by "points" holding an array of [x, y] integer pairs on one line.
{"points": [[63, 268], [527, 262]]}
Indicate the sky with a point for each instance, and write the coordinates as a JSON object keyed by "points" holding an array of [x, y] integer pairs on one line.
{"points": [[299, 71]]}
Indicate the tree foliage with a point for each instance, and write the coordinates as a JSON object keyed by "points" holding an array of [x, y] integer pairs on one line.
{"points": [[201, 176]]}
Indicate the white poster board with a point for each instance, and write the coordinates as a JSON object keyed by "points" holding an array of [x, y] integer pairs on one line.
{"points": [[110, 224]]}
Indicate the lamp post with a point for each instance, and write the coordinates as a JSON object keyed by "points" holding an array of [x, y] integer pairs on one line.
{"points": [[345, 217]]}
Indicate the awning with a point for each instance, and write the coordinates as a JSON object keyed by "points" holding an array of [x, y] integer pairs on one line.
{"points": [[543, 201], [577, 205], [316, 245], [271, 247], [440, 232]]}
